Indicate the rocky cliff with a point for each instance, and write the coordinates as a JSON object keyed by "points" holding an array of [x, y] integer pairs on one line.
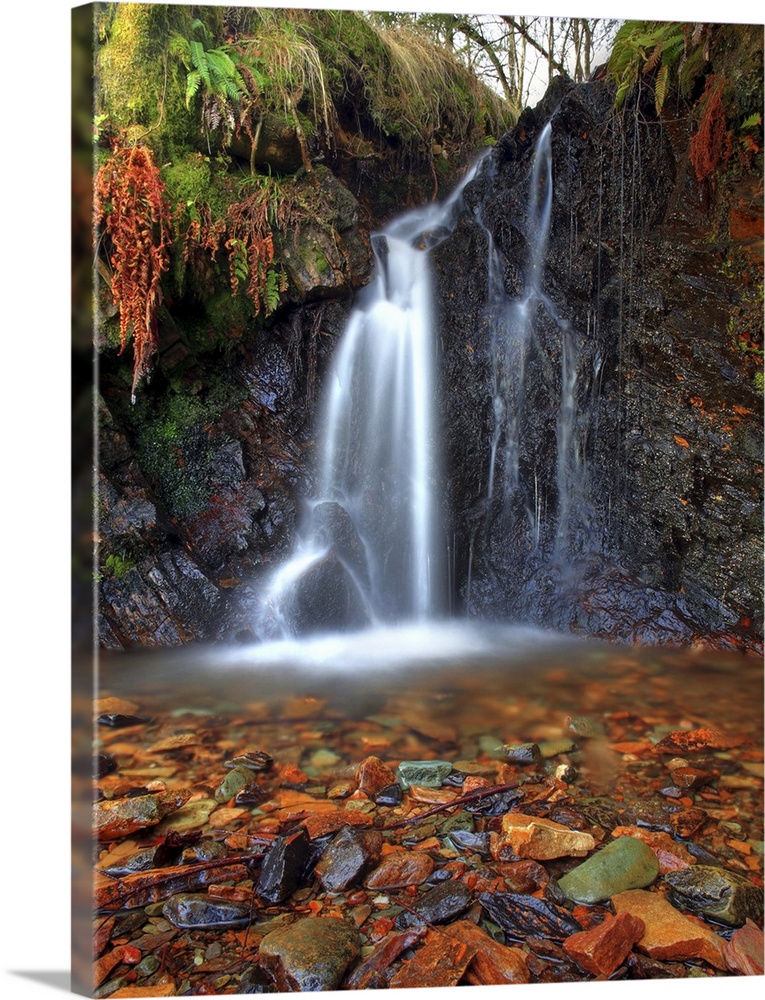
{"points": [[653, 284]]}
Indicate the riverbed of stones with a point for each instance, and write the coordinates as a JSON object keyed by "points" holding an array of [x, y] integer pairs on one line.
{"points": [[289, 847]]}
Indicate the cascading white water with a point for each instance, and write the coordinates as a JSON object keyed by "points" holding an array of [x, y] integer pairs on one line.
{"points": [[369, 535], [368, 552], [515, 339], [514, 321]]}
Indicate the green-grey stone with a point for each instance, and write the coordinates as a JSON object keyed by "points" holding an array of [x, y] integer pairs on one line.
{"points": [[236, 779], [459, 821], [192, 816], [625, 863], [492, 746], [427, 773], [716, 893], [324, 758], [551, 748], [148, 965], [310, 955], [110, 987]]}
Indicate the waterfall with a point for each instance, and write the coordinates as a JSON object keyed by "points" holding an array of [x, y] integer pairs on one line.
{"points": [[367, 551], [521, 329]]}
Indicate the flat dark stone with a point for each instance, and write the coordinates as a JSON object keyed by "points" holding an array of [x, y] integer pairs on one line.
{"points": [[117, 721], [438, 905], [139, 862], [391, 795], [521, 916], [199, 910]]}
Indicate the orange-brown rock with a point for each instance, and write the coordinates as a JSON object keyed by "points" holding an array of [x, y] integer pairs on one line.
{"points": [[602, 949], [142, 888], [669, 934], [115, 818], [541, 839], [694, 740], [493, 963], [330, 821], [432, 796], [165, 987], [441, 961], [114, 706], [401, 869], [670, 855], [686, 822], [372, 775], [744, 951]]}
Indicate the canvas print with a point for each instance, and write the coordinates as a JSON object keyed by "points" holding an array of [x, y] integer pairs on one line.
{"points": [[417, 397]]}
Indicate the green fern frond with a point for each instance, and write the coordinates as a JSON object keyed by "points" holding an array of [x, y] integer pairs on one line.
{"points": [[752, 121], [197, 25], [621, 93], [200, 62], [691, 68], [662, 85], [272, 290], [193, 83]]}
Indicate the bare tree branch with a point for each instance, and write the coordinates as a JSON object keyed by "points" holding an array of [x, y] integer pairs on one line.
{"points": [[524, 33]]}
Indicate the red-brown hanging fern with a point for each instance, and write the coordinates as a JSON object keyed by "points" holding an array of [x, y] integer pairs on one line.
{"points": [[711, 145], [131, 203]]}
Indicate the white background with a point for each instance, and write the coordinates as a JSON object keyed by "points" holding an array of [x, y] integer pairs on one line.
{"points": [[35, 550]]}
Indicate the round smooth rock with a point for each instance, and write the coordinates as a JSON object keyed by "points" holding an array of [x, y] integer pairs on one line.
{"points": [[625, 863]]}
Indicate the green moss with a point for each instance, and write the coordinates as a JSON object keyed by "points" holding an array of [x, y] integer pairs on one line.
{"points": [[139, 86], [118, 564], [172, 445]]}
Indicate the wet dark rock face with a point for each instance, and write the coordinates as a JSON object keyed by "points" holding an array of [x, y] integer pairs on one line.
{"points": [[665, 535], [196, 509]]}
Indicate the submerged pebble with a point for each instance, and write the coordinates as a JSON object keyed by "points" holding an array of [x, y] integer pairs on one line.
{"points": [[523, 753], [401, 869], [237, 779], [438, 905]]}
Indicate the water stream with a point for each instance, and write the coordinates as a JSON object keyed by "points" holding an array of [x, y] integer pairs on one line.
{"points": [[368, 550]]}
